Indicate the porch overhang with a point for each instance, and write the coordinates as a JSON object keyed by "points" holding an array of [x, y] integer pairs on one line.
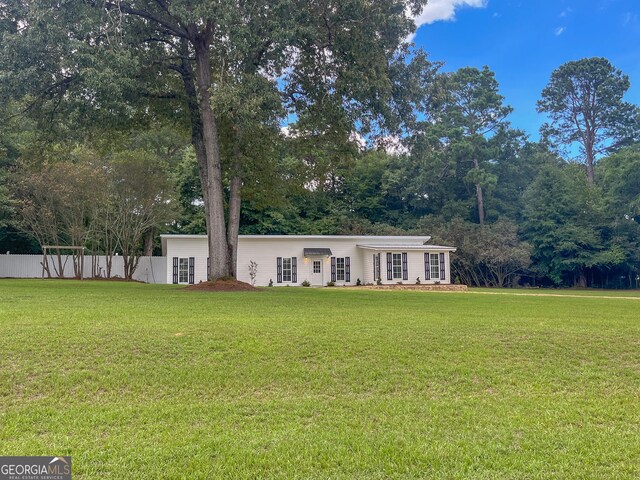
{"points": [[317, 252], [397, 248]]}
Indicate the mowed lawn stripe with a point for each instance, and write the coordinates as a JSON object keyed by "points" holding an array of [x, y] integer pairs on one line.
{"points": [[151, 381]]}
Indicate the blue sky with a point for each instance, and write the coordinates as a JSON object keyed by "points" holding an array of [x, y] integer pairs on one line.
{"points": [[523, 41]]}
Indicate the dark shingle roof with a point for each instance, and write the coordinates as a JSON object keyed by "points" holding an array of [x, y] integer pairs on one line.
{"points": [[317, 251]]}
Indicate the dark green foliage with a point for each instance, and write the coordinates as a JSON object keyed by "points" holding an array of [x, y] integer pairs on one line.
{"points": [[227, 73], [620, 177], [565, 221], [96, 77], [488, 255], [15, 241]]}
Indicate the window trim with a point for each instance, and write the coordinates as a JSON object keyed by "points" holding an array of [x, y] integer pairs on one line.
{"points": [[317, 263], [284, 270], [183, 261], [397, 256], [434, 268], [341, 270]]}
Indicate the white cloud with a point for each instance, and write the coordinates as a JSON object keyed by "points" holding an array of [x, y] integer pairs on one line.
{"points": [[559, 31], [437, 10], [566, 12], [392, 145], [630, 18]]}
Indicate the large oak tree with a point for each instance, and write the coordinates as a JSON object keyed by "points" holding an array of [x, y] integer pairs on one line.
{"points": [[236, 68]]}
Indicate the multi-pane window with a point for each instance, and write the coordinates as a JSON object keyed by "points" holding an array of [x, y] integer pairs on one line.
{"points": [[340, 270], [183, 270], [434, 265], [316, 266], [396, 265], [286, 270]]}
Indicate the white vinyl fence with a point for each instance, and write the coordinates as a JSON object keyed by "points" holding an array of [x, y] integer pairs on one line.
{"points": [[150, 269]]}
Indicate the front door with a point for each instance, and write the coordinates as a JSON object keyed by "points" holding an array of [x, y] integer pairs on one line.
{"points": [[316, 272]]}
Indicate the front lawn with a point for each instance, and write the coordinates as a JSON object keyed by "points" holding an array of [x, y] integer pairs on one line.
{"points": [[149, 381]]}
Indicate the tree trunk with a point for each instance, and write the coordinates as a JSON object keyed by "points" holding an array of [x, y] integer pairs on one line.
{"points": [[108, 263], [130, 263], [589, 138], [216, 228], [479, 195], [590, 161], [581, 281], [60, 265], [94, 263], [480, 203], [148, 242], [233, 227], [77, 266], [197, 139], [45, 266], [235, 190]]}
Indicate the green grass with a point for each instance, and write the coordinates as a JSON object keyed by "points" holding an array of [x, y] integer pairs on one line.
{"points": [[140, 381], [585, 292]]}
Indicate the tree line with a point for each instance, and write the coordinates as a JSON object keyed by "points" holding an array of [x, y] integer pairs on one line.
{"points": [[124, 120]]}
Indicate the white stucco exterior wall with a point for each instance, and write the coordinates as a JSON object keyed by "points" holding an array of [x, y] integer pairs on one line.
{"points": [[264, 250], [184, 246], [415, 266]]}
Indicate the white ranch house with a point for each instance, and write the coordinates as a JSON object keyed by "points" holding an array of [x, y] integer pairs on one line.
{"points": [[317, 259]]}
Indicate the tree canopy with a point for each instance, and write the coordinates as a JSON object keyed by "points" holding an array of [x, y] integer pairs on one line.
{"points": [[584, 102], [302, 117], [237, 69]]}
